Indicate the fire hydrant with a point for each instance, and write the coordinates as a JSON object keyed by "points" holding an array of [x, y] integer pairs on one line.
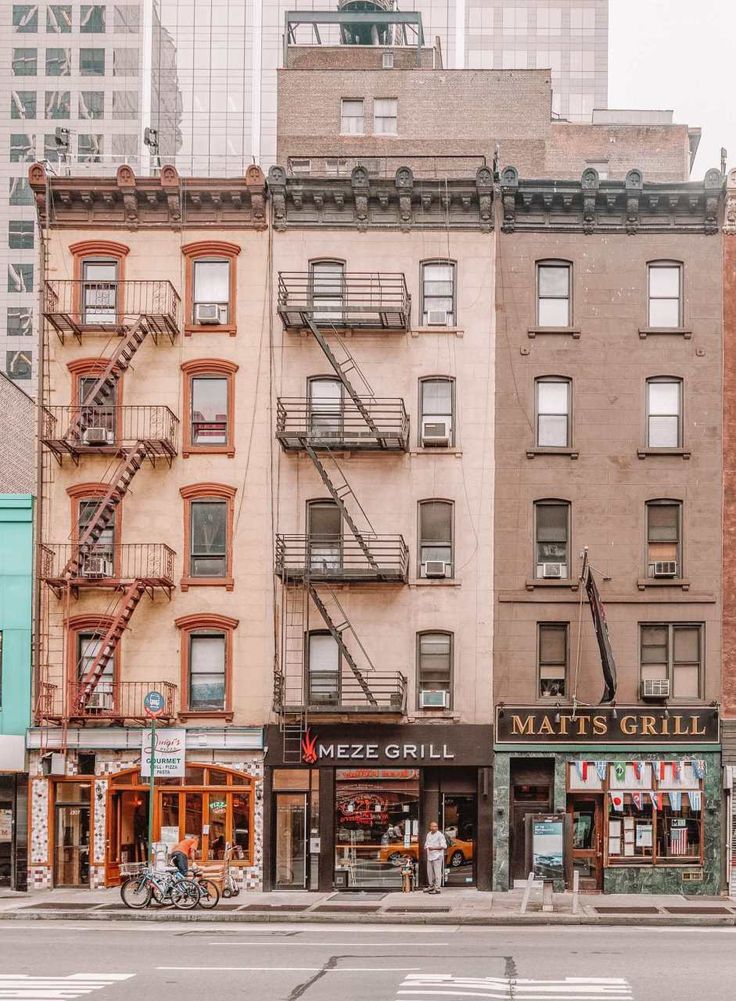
{"points": [[407, 876]]}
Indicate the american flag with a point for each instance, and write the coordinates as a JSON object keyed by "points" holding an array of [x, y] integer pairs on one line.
{"points": [[678, 841]]}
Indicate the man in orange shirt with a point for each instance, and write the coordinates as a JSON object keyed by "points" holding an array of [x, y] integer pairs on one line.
{"points": [[183, 853]]}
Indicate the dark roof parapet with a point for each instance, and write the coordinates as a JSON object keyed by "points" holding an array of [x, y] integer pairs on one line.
{"points": [[592, 205]]}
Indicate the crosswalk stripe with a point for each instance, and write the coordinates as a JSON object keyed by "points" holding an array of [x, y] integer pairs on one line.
{"points": [[24, 987], [426, 986]]}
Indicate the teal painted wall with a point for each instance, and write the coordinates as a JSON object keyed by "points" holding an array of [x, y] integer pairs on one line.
{"points": [[16, 610]]}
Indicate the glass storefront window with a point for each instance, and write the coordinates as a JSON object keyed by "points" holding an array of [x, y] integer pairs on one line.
{"points": [[630, 830], [377, 825], [241, 825], [679, 830]]}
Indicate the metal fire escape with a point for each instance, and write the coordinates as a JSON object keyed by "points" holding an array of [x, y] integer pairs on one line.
{"points": [[362, 423], [132, 311]]}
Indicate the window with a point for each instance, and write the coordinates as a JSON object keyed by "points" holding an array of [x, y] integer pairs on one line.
{"points": [[125, 62], [665, 294], [21, 147], [553, 398], [88, 647], [92, 62], [208, 527], [206, 663], [326, 411], [99, 291], [210, 286], [127, 18], [437, 409], [434, 667], [20, 234], [324, 532], [352, 119], [385, 116], [552, 537], [20, 191], [25, 62], [327, 288], [552, 655], [674, 653], [99, 416], [58, 104], [206, 671], [664, 413], [91, 18], [124, 148], [25, 17], [664, 538], [92, 104], [23, 104], [20, 321], [20, 277], [59, 18], [549, 21], [582, 21], [87, 508], [52, 151], [387, 60], [124, 104], [58, 62], [514, 20], [553, 294], [438, 293], [208, 399], [436, 539], [90, 147], [323, 669], [19, 365]]}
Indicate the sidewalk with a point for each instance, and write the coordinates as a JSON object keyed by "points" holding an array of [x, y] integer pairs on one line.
{"points": [[456, 906]]}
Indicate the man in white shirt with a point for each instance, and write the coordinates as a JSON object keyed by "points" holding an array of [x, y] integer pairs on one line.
{"points": [[435, 845]]}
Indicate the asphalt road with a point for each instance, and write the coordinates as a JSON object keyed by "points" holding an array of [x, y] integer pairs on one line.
{"points": [[122, 962]]}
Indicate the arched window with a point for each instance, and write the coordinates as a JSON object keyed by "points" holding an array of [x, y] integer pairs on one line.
{"points": [[434, 669], [327, 289], [206, 664], [99, 276], [208, 535], [210, 286], [554, 293], [209, 406], [323, 669], [84, 641], [436, 539], [437, 411], [552, 539], [326, 410], [104, 558], [438, 283], [664, 289], [664, 412], [664, 539], [325, 536], [553, 406]]}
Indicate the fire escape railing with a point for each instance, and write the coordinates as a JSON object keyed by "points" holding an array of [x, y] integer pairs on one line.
{"points": [[73, 306], [353, 300], [107, 428], [378, 425]]}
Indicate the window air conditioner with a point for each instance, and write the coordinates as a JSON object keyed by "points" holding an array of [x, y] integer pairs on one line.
{"points": [[655, 689], [436, 431], [437, 318], [665, 568], [100, 701], [433, 698], [554, 570], [209, 312], [97, 566], [97, 436], [435, 568]]}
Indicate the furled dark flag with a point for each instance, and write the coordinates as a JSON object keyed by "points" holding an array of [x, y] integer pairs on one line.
{"points": [[601, 631]]}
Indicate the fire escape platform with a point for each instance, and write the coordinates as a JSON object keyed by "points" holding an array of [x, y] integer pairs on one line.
{"points": [[356, 301], [114, 431], [372, 559], [112, 568], [301, 421], [117, 702], [76, 307]]}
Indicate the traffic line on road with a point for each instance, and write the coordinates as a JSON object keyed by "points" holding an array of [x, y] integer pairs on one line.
{"points": [[326, 945], [77, 985], [423, 987], [290, 969]]}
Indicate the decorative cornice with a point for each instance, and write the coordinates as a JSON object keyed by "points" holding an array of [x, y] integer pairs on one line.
{"points": [[729, 218], [201, 247], [129, 202], [594, 206], [365, 202], [85, 248], [200, 620], [208, 490], [204, 365]]}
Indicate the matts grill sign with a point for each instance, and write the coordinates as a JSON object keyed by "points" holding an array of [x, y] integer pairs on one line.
{"points": [[314, 751]]}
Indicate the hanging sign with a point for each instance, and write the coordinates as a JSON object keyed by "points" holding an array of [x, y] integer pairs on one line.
{"points": [[606, 725], [169, 753]]}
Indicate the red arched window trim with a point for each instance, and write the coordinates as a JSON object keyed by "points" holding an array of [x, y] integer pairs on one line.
{"points": [[200, 491], [96, 248], [84, 491], [200, 367], [189, 624], [85, 623], [209, 248]]}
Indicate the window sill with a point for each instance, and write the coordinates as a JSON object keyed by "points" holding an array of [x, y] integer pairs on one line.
{"points": [[435, 450], [457, 331], [228, 450], [645, 582], [210, 328], [645, 453], [186, 582], [223, 714], [439, 582], [571, 452], [685, 332], [536, 582], [434, 714], [564, 331]]}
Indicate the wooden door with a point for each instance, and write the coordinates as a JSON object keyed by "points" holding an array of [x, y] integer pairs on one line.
{"points": [[586, 839]]}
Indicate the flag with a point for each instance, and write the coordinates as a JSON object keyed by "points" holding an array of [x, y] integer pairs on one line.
{"points": [[617, 800], [662, 770], [637, 798], [695, 801], [619, 769], [675, 801], [582, 767], [678, 841], [677, 771], [600, 767], [699, 768], [637, 770], [656, 798], [608, 664]]}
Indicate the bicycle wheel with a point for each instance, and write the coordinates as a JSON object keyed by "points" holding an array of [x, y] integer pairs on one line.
{"points": [[184, 894], [136, 892], [209, 894]]}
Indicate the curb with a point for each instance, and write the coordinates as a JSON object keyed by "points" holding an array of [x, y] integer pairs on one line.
{"points": [[510, 920]]}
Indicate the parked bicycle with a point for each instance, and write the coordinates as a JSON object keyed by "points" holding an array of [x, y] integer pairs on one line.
{"points": [[144, 885]]}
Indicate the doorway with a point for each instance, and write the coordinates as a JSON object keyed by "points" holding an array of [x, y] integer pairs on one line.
{"points": [[586, 847], [458, 824], [72, 826], [6, 842], [532, 782], [291, 841]]}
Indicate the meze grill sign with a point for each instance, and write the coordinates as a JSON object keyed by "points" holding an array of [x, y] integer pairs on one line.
{"points": [[606, 725]]}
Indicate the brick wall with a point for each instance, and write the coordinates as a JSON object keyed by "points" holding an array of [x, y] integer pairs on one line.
{"points": [[662, 152], [729, 457], [17, 435]]}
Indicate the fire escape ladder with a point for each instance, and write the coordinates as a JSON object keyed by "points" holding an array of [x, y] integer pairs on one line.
{"points": [[123, 614], [106, 508], [338, 494], [290, 682], [336, 631], [342, 368], [103, 388]]}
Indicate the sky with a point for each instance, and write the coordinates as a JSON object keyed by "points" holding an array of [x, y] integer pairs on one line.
{"points": [[678, 54]]}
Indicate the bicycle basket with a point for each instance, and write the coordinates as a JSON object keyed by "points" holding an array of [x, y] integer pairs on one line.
{"points": [[132, 868]]}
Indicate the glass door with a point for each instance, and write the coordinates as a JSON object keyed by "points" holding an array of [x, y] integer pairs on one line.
{"points": [[291, 841], [458, 824], [6, 842], [128, 831], [71, 850], [586, 847]]}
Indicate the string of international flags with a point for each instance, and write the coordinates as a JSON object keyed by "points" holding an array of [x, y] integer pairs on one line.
{"points": [[642, 797]]}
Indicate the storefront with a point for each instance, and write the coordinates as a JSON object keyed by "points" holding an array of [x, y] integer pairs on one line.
{"points": [[641, 789], [359, 802], [14, 828], [89, 810]]}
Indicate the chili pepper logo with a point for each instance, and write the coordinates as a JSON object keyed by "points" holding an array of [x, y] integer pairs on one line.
{"points": [[309, 748]]}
